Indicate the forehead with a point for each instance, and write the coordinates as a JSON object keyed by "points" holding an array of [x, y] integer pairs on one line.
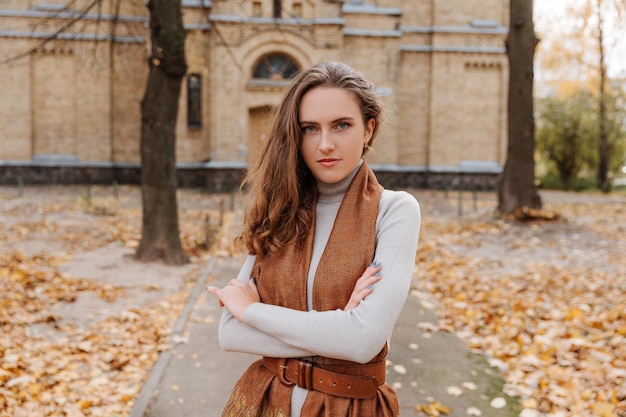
{"points": [[328, 103]]}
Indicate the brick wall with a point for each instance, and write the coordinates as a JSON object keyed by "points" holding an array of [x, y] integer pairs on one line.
{"points": [[440, 68]]}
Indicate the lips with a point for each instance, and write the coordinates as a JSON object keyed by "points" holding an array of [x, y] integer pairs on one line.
{"points": [[328, 162]]}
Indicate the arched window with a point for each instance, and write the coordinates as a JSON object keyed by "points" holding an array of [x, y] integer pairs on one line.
{"points": [[194, 100], [275, 67]]}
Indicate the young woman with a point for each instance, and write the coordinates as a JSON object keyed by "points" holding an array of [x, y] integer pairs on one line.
{"points": [[331, 254]]}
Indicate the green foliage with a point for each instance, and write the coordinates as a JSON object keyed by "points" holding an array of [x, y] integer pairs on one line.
{"points": [[567, 137], [565, 134], [552, 181]]}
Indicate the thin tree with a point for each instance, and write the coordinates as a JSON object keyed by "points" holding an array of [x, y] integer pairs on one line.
{"points": [[603, 154], [613, 9], [595, 15], [159, 108], [584, 49], [517, 189], [160, 233]]}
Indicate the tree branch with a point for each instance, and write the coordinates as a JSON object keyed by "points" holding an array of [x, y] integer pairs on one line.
{"points": [[63, 29]]}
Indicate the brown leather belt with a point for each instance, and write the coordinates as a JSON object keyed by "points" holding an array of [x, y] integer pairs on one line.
{"points": [[361, 383]]}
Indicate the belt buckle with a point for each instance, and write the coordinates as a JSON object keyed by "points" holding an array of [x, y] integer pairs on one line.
{"points": [[280, 372], [304, 373]]}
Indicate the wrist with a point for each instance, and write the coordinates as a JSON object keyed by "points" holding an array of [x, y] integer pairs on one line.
{"points": [[241, 316]]}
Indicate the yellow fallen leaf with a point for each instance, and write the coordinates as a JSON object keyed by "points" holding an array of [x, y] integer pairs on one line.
{"points": [[433, 409], [573, 313], [603, 409], [85, 404]]}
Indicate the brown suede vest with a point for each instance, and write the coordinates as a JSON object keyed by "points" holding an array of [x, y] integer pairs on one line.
{"points": [[282, 280]]}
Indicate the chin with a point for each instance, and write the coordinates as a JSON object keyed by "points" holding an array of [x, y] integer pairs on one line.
{"points": [[330, 179]]}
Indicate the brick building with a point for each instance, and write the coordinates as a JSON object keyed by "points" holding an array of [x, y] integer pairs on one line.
{"points": [[70, 105]]}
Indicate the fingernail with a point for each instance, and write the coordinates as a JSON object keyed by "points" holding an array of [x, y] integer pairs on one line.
{"points": [[373, 263], [370, 286], [377, 274], [377, 264]]}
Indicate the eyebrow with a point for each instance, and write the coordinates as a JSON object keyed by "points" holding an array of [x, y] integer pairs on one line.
{"points": [[340, 119]]}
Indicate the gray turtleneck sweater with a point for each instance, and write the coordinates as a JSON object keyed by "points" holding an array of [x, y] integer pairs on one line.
{"points": [[356, 335]]}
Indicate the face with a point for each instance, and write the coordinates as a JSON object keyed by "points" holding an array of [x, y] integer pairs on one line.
{"points": [[333, 133]]}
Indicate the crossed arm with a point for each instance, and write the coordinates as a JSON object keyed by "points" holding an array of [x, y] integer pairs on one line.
{"points": [[355, 333], [238, 295]]}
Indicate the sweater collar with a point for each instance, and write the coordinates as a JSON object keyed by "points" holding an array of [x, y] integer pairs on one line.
{"points": [[332, 193]]}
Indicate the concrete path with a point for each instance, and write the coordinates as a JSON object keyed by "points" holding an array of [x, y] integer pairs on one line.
{"points": [[425, 365]]}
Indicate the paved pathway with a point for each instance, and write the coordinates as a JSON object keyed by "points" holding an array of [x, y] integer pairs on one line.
{"points": [[195, 378]]}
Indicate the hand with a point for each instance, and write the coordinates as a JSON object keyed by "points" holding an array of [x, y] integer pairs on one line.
{"points": [[236, 296], [364, 285]]}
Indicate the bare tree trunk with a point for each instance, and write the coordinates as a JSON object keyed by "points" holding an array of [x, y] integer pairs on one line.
{"points": [[603, 151], [160, 238], [516, 189]]}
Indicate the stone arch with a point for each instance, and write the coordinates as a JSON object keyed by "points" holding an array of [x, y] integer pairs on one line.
{"points": [[295, 46], [263, 95]]}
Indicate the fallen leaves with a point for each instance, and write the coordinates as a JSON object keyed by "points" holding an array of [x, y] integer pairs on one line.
{"points": [[401, 369], [498, 402], [66, 368], [50, 366], [433, 409], [454, 391], [527, 214], [544, 301]]}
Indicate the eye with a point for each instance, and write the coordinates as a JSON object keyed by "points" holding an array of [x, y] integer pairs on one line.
{"points": [[343, 125], [308, 129]]}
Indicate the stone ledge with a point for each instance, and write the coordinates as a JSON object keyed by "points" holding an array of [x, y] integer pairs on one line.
{"points": [[225, 178]]}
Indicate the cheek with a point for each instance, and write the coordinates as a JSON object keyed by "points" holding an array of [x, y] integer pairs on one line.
{"points": [[305, 150]]}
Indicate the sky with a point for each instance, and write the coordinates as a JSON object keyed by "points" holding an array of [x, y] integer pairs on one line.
{"points": [[548, 12]]}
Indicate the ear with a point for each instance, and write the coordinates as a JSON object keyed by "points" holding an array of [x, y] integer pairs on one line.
{"points": [[369, 130]]}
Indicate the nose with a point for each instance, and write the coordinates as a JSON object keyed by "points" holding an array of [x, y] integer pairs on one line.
{"points": [[326, 142]]}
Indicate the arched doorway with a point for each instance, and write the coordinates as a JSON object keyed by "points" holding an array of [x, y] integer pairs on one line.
{"points": [[271, 74], [258, 128]]}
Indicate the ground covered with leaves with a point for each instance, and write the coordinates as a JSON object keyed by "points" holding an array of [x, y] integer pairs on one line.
{"points": [[544, 300], [82, 322]]}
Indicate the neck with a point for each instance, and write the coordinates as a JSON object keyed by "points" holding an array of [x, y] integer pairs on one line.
{"points": [[329, 193]]}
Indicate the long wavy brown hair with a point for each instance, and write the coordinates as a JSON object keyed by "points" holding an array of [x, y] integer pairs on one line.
{"points": [[281, 188]]}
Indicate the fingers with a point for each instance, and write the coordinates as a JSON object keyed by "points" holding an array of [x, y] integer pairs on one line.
{"points": [[213, 290], [357, 297], [234, 286], [370, 277], [364, 285], [374, 268], [252, 285]]}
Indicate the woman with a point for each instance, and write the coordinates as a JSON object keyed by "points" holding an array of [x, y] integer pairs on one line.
{"points": [[331, 255]]}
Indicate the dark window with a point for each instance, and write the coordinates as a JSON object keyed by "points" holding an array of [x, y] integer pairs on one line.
{"points": [[275, 67], [194, 100], [278, 9]]}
